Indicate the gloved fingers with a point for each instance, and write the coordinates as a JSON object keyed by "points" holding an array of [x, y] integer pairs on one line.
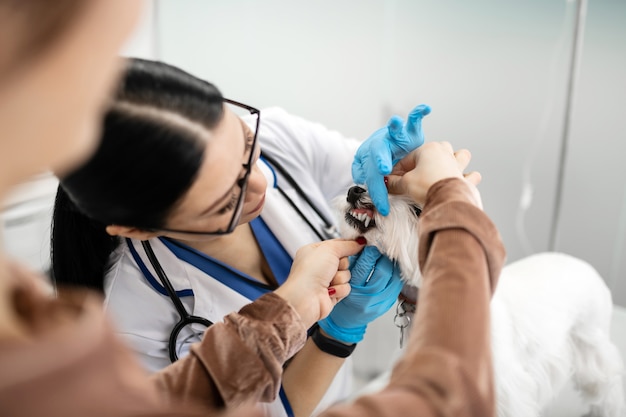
{"points": [[414, 122], [392, 291], [394, 286], [418, 113], [401, 143], [353, 260], [389, 296], [413, 128], [363, 266], [378, 192], [395, 127], [384, 272], [359, 173], [383, 157], [377, 279], [364, 160]]}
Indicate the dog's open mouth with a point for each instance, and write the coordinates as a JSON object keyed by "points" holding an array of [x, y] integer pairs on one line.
{"points": [[361, 218], [360, 212]]}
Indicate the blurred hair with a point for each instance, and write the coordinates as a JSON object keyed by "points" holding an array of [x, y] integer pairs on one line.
{"points": [[151, 148]]}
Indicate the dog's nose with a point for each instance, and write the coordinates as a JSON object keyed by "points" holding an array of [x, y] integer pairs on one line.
{"points": [[354, 193]]}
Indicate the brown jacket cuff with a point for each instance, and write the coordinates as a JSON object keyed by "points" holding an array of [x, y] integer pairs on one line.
{"points": [[451, 204]]}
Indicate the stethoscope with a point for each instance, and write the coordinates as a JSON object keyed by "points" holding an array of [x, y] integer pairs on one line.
{"points": [[186, 319], [327, 231]]}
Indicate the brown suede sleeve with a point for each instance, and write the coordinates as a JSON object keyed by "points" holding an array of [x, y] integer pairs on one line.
{"points": [[239, 361], [70, 363], [446, 369]]}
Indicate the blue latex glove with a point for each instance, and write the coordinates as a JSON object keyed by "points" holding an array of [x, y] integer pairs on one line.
{"points": [[378, 154], [368, 299]]}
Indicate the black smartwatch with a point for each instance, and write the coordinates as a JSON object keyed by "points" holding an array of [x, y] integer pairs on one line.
{"points": [[330, 346]]}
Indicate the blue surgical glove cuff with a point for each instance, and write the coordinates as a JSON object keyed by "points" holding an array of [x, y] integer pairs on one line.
{"points": [[343, 335]]}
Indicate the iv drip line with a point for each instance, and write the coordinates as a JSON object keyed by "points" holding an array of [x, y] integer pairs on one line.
{"points": [[573, 75]]}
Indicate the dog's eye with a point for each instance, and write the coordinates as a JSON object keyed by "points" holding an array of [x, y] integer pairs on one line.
{"points": [[417, 210]]}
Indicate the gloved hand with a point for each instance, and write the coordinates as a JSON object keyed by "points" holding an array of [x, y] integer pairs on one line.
{"points": [[368, 299], [378, 154]]}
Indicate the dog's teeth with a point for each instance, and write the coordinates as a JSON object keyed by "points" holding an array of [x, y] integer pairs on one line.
{"points": [[362, 217]]}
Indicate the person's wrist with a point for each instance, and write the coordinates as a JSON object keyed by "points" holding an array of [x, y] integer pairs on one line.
{"points": [[329, 345], [302, 306]]}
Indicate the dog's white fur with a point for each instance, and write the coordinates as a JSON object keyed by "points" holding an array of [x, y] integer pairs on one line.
{"points": [[550, 320]]}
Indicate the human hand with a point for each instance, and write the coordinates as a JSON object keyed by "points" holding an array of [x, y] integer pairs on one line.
{"points": [[435, 161], [319, 278], [375, 287], [378, 154]]}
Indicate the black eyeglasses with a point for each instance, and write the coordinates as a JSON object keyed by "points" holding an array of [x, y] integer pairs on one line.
{"points": [[242, 181]]}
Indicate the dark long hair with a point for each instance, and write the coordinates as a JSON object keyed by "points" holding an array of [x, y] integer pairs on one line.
{"points": [[151, 148]]}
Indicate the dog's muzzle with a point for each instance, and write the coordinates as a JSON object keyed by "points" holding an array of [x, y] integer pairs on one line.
{"points": [[360, 213]]}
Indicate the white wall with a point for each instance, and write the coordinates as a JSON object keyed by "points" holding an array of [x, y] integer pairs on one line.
{"points": [[495, 74]]}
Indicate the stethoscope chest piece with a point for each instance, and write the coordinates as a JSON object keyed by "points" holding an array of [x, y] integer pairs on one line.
{"points": [[186, 319]]}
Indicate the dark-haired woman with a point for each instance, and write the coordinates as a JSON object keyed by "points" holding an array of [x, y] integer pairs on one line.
{"points": [[179, 184]]}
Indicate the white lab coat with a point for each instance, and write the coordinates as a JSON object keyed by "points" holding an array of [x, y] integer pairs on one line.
{"points": [[320, 162]]}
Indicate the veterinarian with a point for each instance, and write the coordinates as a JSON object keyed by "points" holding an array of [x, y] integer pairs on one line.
{"points": [[59, 357], [179, 185]]}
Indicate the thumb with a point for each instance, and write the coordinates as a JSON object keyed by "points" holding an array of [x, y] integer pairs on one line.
{"points": [[343, 247]]}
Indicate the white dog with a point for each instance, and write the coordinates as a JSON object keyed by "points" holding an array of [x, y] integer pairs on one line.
{"points": [[550, 316]]}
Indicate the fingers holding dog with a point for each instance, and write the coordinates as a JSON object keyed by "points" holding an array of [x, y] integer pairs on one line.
{"points": [[318, 270], [463, 158], [432, 162], [473, 177], [344, 263], [340, 286]]}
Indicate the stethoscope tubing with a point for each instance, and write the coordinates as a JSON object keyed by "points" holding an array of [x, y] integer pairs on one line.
{"points": [[329, 227], [185, 318]]}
